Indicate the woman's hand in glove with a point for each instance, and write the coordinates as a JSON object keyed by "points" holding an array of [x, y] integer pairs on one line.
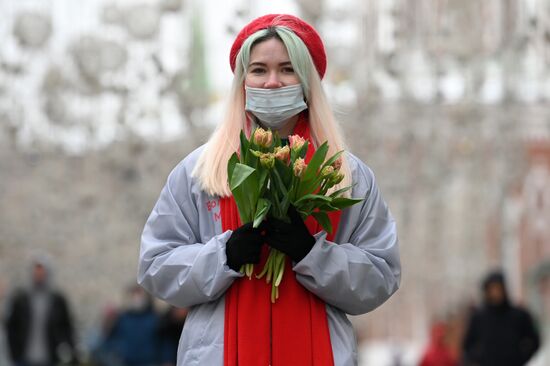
{"points": [[244, 246], [292, 239]]}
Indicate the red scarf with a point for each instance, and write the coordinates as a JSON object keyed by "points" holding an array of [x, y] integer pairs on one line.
{"points": [[292, 331]]}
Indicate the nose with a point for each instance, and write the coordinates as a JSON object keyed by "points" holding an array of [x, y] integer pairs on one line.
{"points": [[273, 81]]}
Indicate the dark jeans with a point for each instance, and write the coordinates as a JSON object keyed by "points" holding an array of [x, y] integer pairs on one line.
{"points": [[33, 364]]}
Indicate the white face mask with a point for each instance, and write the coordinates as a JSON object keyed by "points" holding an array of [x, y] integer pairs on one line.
{"points": [[137, 303], [273, 107]]}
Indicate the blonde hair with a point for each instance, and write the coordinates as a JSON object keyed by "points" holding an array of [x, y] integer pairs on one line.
{"points": [[211, 167]]}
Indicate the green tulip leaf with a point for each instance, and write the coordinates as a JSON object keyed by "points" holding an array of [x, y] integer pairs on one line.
{"points": [[303, 150], [261, 211], [312, 197], [315, 162], [245, 146], [323, 220], [340, 191], [233, 160], [332, 159], [342, 202], [240, 173]]}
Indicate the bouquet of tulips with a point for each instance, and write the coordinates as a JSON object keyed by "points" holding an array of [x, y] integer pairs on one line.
{"points": [[269, 176]]}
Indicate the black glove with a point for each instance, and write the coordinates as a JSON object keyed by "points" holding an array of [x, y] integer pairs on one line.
{"points": [[292, 239], [244, 246]]}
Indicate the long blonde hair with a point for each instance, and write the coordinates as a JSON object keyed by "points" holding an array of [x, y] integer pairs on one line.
{"points": [[211, 168]]}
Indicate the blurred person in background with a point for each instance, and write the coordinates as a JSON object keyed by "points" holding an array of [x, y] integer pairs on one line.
{"points": [[171, 325], [38, 322], [193, 244], [133, 337], [100, 355], [438, 352], [4, 353], [499, 333]]}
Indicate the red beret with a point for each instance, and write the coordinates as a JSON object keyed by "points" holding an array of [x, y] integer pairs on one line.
{"points": [[302, 29]]}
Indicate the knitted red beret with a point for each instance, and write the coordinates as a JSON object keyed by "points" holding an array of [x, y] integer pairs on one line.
{"points": [[302, 29]]}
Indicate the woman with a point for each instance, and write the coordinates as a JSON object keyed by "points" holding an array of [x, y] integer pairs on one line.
{"points": [[193, 244]]}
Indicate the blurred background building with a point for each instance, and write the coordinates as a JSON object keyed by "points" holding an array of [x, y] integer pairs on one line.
{"points": [[447, 101]]}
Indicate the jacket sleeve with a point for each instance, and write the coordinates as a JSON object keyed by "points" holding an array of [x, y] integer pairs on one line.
{"points": [[363, 270], [16, 319], [174, 265]]}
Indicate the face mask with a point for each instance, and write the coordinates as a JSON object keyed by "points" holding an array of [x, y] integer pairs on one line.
{"points": [[273, 107], [137, 303]]}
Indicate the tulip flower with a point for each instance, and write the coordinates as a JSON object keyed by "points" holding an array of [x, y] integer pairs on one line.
{"points": [[256, 153], [327, 171], [267, 160], [336, 178], [337, 164], [299, 167], [282, 154], [263, 138], [296, 142]]}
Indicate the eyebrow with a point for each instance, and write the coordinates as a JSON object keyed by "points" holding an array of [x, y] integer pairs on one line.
{"points": [[286, 63]]}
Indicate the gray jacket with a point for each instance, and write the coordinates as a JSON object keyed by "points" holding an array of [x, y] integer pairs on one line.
{"points": [[182, 261]]}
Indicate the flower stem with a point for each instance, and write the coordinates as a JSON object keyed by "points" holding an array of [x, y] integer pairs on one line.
{"points": [[247, 269], [280, 269]]}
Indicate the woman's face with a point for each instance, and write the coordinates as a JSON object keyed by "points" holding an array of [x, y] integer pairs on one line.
{"points": [[270, 66]]}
